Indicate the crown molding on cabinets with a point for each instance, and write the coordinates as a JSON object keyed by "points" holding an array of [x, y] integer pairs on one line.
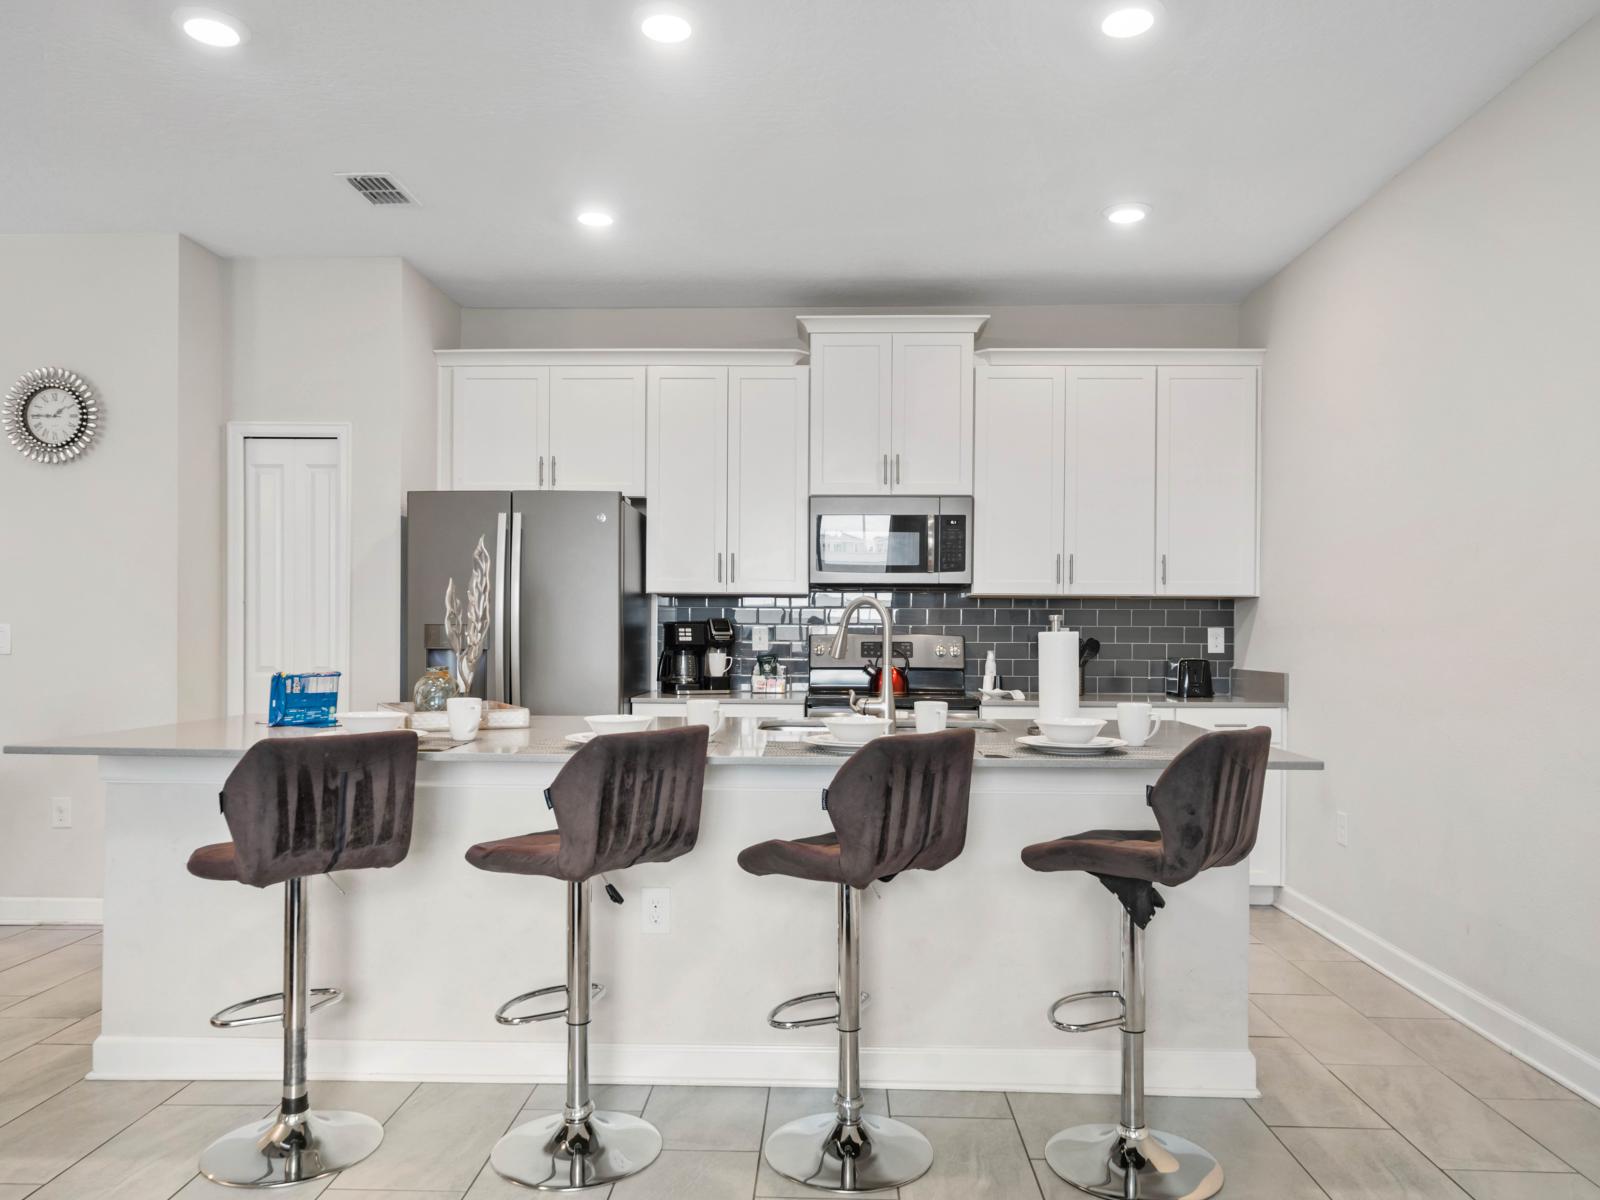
{"points": [[779, 357], [1023, 356], [930, 323]]}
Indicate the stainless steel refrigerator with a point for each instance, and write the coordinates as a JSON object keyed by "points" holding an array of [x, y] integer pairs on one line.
{"points": [[569, 620]]}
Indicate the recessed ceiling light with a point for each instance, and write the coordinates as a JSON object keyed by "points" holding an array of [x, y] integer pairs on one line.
{"points": [[666, 27], [1127, 214], [1128, 22], [595, 220], [211, 28]]}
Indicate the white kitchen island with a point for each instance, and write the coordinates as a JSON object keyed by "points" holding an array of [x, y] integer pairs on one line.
{"points": [[960, 963]]}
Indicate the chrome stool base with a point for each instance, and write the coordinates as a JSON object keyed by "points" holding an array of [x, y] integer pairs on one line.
{"points": [[823, 1153], [1104, 1160], [552, 1156], [277, 1152]]}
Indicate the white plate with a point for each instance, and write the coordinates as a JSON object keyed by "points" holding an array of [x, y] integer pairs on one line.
{"points": [[579, 739], [833, 745], [1099, 745]]}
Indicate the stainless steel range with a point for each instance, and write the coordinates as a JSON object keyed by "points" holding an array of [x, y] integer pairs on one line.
{"points": [[935, 667]]}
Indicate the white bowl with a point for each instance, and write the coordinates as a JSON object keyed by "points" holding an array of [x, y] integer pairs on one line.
{"points": [[374, 721], [857, 727], [618, 723], [1071, 731]]}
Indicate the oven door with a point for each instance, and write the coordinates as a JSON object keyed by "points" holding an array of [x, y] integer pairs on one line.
{"points": [[891, 541]]}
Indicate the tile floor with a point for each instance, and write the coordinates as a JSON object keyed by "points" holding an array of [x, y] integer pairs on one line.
{"points": [[1368, 1093]]}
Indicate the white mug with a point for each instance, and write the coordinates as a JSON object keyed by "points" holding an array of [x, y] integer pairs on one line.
{"points": [[932, 715], [717, 662], [703, 712], [465, 713], [1137, 723]]}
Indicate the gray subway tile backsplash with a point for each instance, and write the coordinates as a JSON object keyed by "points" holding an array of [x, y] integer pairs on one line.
{"points": [[1136, 636]]}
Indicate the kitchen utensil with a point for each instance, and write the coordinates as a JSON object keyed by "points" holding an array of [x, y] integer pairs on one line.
{"points": [[466, 714], [615, 723], [703, 712], [826, 741], [1070, 731], [1189, 678], [1099, 745], [372, 721], [1137, 722], [582, 739], [854, 728], [932, 715]]}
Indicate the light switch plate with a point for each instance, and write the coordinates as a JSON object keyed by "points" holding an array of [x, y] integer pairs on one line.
{"points": [[761, 637], [1216, 640], [5, 639]]}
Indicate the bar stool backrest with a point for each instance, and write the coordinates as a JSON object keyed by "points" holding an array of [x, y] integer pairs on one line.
{"points": [[629, 798], [307, 805], [1208, 802], [900, 804]]}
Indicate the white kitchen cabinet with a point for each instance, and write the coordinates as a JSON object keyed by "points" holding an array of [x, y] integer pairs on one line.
{"points": [[1018, 482], [726, 476], [595, 429], [490, 420], [768, 411], [1206, 480], [1110, 481], [891, 404]]}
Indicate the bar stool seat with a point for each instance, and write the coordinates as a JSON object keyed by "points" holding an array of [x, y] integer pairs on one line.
{"points": [[529, 854], [219, 862], [1127, 853], [815, 858]]}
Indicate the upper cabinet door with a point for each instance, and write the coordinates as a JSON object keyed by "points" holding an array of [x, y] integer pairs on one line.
{"points": [[1018, 540], [1111, 481], [596, 439], [685, 533], [931, 449], [768, 411], [493, 427], [850, 413], [1206, 486]]}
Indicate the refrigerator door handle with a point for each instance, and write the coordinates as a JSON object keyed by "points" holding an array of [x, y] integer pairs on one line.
{"points": [[516, 608], [498, 634]]}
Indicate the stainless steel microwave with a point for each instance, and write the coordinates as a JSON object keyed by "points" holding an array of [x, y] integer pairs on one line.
{"points": [[891, 541]]}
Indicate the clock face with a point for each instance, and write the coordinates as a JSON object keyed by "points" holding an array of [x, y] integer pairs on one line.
{"points": [[53, 415]]}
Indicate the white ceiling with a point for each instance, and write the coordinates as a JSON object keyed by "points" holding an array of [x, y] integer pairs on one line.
{"points": [[792, 152]]}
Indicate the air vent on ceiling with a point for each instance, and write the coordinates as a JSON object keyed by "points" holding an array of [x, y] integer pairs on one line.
{"points": [[379, 189]]}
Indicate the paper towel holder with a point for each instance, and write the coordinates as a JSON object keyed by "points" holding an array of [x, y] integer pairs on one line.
{"points": [[1056, 625]]}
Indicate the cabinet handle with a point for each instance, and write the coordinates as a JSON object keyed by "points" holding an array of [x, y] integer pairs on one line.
{"points": [[885, 470], [541, 470], [1163, 569], [1058, 568], [719, 566], [1071, 571], [552, 470], [733, 566], [897, 468]]}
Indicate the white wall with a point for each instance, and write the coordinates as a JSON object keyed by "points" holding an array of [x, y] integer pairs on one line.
{"points": [[90, 567], [1431, 556], [1185, 325]]}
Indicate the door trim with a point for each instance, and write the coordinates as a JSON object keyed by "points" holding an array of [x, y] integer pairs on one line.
{"points": [[238, 431]]}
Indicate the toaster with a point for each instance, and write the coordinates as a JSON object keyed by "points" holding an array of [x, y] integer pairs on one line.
{"points": [[1189, 678]]}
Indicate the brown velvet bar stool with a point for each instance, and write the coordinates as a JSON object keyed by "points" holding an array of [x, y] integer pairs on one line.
{"points": [[622, 799], [1207, 805], [301, 806], [897, 804]]}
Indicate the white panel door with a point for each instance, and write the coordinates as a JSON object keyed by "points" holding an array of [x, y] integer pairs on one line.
{"points": [[931, 451], [768, 417], [687, 478], [497, 427], [1111, 481], [1018, 482], [292, 588], [850, 413], [1206, 464], [596, 429]]}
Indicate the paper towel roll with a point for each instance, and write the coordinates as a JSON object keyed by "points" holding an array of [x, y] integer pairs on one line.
{"points": [[1058, 674]]}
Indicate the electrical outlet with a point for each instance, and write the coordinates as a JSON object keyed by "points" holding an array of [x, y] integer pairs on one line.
{"points": [[61, 812], [761, 637], [1341, 828], [655, 909], [1216, 640]]}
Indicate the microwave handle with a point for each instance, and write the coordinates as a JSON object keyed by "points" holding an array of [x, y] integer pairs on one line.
{"points": [[933, 542]]}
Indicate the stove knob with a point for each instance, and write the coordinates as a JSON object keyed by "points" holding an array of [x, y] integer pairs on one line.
{"points": [[938, 651]]}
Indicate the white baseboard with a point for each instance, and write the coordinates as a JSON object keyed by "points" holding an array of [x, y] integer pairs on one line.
{"points": [[51, 910], [1569, 1065], [1167, 1072], [1263, 895]]}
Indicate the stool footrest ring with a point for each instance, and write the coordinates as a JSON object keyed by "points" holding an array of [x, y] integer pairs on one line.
{"points": [[810, 1022], [223, 1018], [1106, 1023], [596, 990]]}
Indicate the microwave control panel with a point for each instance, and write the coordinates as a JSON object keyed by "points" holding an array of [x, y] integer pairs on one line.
{"points": [[952, 543]]}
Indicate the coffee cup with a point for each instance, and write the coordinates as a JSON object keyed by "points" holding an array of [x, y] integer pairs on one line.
{"points": [[1137, 722], [932, 715], [465, 714], [703, 712]]}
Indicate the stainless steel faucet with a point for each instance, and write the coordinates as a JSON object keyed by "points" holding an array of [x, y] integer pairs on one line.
{"points": [[886, 673]]}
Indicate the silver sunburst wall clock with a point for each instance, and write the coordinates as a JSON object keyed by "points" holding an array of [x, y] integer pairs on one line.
{"points": [[51, 415]]}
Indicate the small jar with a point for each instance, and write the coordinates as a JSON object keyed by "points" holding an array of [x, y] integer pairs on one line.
{"points": [[436, 686]]}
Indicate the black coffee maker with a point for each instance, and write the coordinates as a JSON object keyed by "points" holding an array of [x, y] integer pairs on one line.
{"points": [[696, 656]]}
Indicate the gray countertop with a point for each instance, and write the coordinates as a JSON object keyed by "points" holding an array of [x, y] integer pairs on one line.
{"points": [[792, 697], [544, 741], [1032, 698]]}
